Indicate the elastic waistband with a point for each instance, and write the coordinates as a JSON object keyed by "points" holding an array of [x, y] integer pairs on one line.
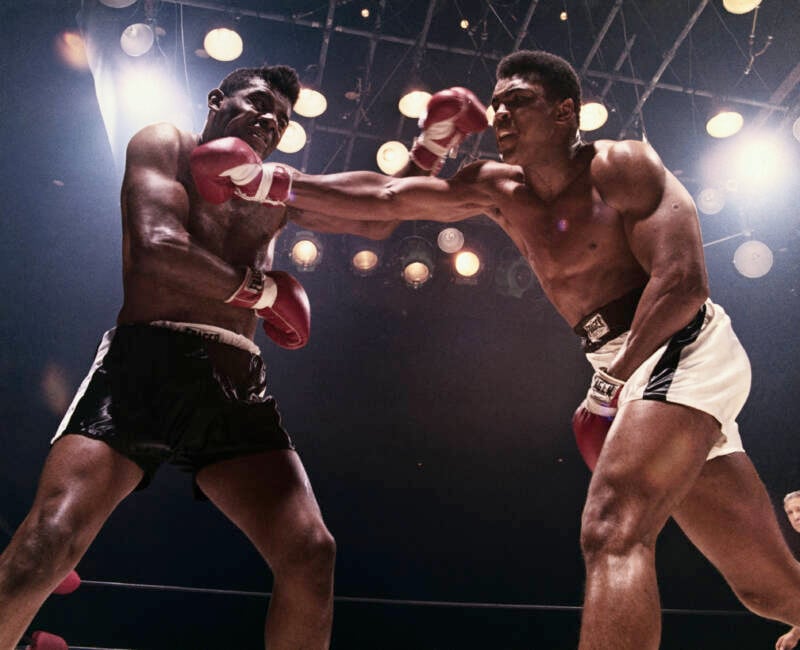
{"points": [[608, 322], [211, 333]]}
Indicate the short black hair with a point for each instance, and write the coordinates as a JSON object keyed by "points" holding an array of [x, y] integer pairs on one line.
{"points": [[279, 77], [556, 75]]}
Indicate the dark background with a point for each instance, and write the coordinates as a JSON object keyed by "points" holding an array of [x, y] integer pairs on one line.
{"points": [[434, 424]]}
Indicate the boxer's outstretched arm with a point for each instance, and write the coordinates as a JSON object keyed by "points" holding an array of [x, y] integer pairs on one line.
{"points": [[372, 196], [155, 212], [663, 232], [339, 226]]}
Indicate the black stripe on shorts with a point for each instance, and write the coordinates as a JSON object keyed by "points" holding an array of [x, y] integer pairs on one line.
{"points": [[664, 371]]}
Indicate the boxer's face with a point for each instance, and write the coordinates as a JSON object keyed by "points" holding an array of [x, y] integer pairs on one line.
{"points": [[524, 119], [792, 508], [256, 113]]}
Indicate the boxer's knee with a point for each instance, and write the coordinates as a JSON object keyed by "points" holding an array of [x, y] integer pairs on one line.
{"points": [[46, 547], [608, 529], [309, 553]]}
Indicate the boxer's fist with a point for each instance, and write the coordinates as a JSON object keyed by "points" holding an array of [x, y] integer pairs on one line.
{"points": [[228, 167], [451, 115], [603, 394], [281, 301], [590, 431]]}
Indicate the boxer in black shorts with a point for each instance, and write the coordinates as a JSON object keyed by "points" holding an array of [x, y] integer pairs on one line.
{"points": [[184, 397], [179, 379]]}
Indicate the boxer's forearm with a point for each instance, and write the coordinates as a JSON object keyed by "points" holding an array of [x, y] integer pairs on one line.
{"points": [[368, 196], [326, 223]]}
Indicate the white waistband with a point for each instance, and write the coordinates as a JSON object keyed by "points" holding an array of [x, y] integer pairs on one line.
{"points": [[211, 333]]}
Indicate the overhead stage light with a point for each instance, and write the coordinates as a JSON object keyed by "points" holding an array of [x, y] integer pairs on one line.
{"points": [[310, 103], [467, 266], [740, 6], [71, 50], [416, 261], [117, 4], [796, 129], [293, 138], [137, 39], [223, 44], [450, 240], [753, 259], [711, 200], [414, 103], [305, 251], [724, 124], [365, 256], [513, 275], [392, 157], [593, 115]]}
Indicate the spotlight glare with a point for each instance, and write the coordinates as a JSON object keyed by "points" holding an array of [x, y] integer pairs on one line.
{"points": [[223, 44], [760, 163], [467, 264], [414, 103], [563, 15], [392, 157], [753, 259], [796, 129], [464, 24], [365, 13], [137, 39]]}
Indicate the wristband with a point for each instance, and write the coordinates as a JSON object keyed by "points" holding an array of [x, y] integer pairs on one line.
{"points": [[256, 291]]}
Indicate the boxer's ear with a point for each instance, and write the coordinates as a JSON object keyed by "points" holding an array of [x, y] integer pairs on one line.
{"points": [[215, 98], [565, 110]]}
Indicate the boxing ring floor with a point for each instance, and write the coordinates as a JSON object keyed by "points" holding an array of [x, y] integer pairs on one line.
{"points": [[144, 618]]}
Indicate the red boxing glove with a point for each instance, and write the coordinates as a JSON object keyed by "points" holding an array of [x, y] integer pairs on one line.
{"points": [[451, 115], [228, 167], [590, 431], [46, 641], [593, 418], [281, 301]]}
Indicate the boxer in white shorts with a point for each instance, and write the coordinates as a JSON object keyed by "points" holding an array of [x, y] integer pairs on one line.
{"points": [[704, 366]]}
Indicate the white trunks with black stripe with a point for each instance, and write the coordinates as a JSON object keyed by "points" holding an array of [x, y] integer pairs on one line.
{"points": [[703, 366]]}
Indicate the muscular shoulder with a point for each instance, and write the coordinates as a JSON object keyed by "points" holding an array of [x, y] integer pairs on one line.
{"points": [[490, 175], [629, 175], [157, 145]]}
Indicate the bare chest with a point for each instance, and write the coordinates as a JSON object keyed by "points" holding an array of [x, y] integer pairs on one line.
{"points": [[575, 244], [239, 232]]}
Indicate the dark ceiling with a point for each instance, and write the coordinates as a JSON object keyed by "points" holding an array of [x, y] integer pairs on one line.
{"points": [[434, 424]]}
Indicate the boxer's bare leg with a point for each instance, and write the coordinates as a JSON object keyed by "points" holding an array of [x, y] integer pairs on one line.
{"points": [[729, 517], [652, 456], [83, 480], [268, 496]]}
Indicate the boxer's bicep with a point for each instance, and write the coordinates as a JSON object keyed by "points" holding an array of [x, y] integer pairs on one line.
{"points": [[154, 203]]}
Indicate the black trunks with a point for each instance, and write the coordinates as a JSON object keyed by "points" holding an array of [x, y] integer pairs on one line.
{"points": [[157, 395]]}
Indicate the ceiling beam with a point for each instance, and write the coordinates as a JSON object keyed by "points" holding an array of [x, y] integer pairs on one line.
{"points": [[780, 94], [600, 36], [323, 57], [668, 57]]}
